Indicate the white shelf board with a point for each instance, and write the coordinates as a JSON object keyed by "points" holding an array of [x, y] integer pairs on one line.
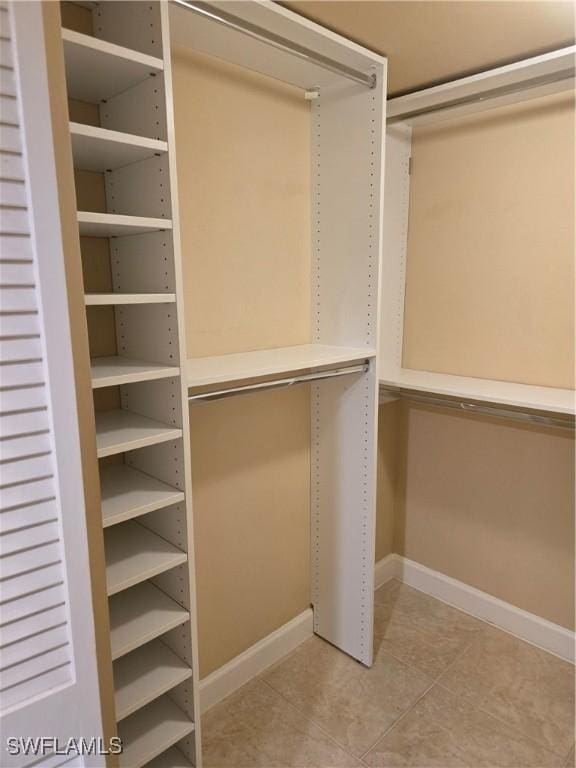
{"points": [[120, 430], [116, 225], [151, 731], [134, 554], [218, 369], [172, 758], [116, 370], [483, 390], [127, 493], [105, 299], [100, 149], [97, 70], [139, 615], [144, 675]]}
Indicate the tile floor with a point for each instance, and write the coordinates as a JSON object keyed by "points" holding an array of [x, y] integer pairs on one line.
{"points": [[445, 691]]}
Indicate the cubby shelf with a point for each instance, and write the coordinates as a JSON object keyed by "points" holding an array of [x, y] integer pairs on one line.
{"points": [[141, 614], [172, 758], [104, 299], [202, 371], [100, 149], [116, 370], [152, 730], [128, 493], [116, 225], [144, 675], [134, 554], [97, 70], [505, 393], [121, 430]]}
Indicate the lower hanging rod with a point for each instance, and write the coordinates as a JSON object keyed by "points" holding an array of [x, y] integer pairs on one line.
{"points": [[280, 383], [549, 420], [276, 41]]}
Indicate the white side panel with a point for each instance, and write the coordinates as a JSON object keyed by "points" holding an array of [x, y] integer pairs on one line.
{"points": [[393, 274], [49, 670], [347, 174]]}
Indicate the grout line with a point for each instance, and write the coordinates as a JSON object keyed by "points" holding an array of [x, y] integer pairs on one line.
{"points": [[310, 720]]}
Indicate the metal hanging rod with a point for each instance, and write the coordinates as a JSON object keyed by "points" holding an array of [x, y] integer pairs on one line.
{"points": [[276, 41], [503, 90], [279, 383], [549, 420]]}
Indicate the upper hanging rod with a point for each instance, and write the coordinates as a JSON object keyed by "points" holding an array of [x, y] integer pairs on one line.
{"points": [[503, 90], [486, 409], [277, 383], [276, 41]]}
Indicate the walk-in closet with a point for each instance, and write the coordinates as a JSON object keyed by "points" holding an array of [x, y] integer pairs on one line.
{"points": [[287, 404]]}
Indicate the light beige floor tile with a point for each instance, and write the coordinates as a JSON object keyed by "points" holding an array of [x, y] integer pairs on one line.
{"points": [[571, 762], [445, 731], [352, 703], [421, 631], [257, 728], [523, 685]]}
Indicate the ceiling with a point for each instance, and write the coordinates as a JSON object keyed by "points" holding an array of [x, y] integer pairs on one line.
{"points": [[434, 41]]}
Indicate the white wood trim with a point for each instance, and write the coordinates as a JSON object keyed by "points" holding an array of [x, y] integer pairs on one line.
{"points": [[255, 660], [507, 617]]}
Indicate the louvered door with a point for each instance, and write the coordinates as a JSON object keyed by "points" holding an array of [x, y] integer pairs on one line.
{"points": [[48, 676]]}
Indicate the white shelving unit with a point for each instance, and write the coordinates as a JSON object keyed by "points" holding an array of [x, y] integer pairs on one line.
{"points": [[123, 70], [346, 85], [538, 76]]}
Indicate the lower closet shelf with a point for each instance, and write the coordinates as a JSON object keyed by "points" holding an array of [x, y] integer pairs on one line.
{"points": [[172, 758], [151, 731], [126, 493], [141, 614], [144, 675], [134, 554], [120, 430]]}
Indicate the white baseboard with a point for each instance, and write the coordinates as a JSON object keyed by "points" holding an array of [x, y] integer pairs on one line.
{"points": [[228, 678], [524, 625], [527, 626]]}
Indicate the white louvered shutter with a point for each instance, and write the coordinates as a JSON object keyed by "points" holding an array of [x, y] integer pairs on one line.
{"points": [[48, 676]]}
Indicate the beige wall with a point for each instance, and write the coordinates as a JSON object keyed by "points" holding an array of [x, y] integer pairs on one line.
{"points": [[490, 276], [242, 144], [485, 501]]}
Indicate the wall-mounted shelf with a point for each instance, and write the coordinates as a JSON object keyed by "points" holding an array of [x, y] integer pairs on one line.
{"points": [[97, 70], [100, 149], [134, 554], [104, 299], [141, 614], [202, 371], [117, 225], [172, 758], [151, 730], [547, 399], [144, 675], [127, 493], [120, 430], [116, 370]]}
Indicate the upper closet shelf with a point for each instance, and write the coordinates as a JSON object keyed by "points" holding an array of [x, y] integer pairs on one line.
{"points": [[121, 430], [116, 225], [104, 299], [548, 399], [116, 370], [97, 70], [202, 371], [99, 149]]}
